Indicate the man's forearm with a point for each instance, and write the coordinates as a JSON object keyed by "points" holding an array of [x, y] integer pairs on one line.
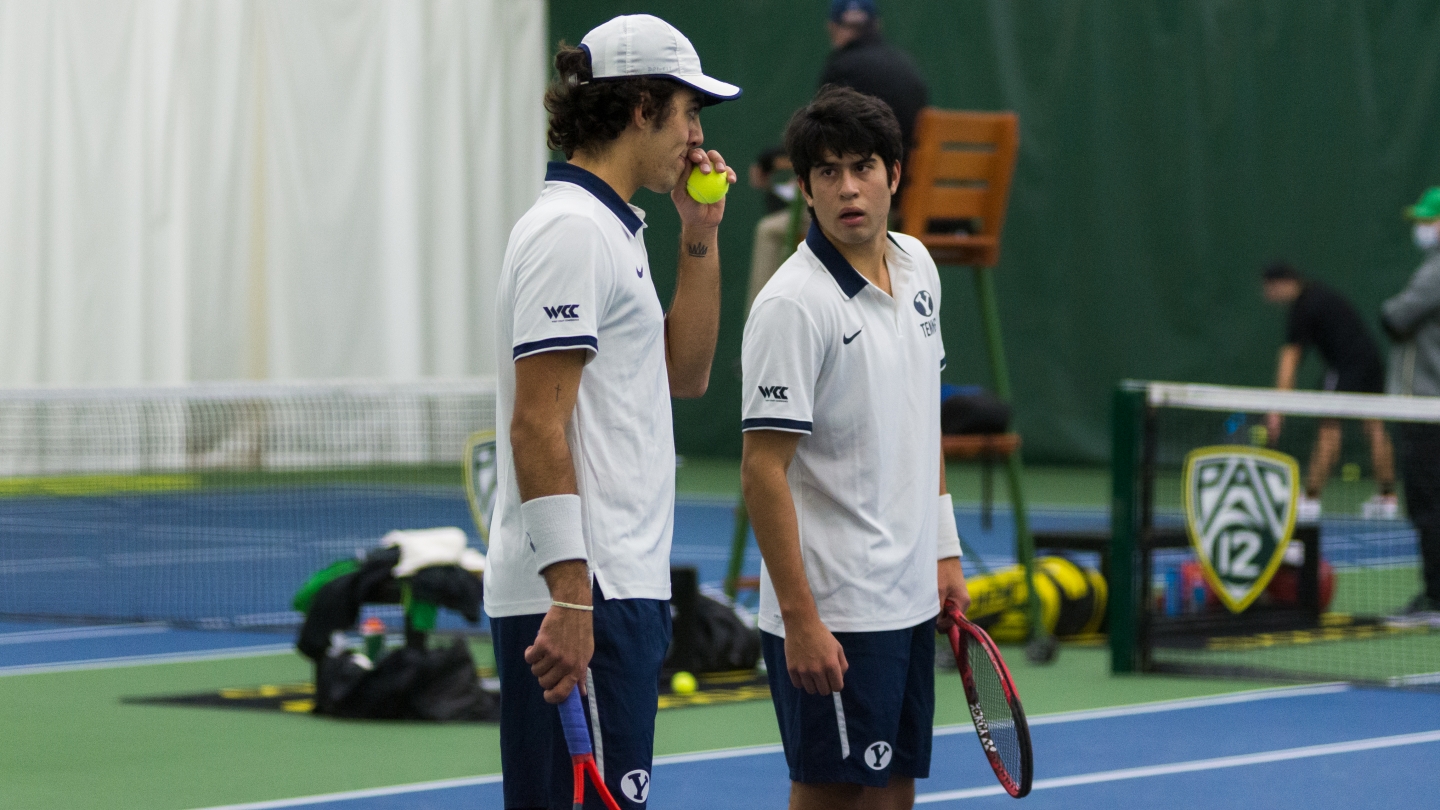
{"points": [[693, 323], [1285, 368], [777, 533]]}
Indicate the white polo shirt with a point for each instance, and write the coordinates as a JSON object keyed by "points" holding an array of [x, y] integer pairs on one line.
{"points": [[576, 276], [828, 355]]}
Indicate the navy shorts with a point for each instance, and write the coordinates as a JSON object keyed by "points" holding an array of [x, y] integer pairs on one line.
{"points": [[878, 726], [631, 637]]}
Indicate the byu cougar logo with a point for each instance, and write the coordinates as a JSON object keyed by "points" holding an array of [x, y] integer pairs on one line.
{"points": [[877, 756]]}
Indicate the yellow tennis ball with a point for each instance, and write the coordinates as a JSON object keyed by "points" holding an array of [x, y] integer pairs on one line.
{"points": [[707, 188], [682, 683]]}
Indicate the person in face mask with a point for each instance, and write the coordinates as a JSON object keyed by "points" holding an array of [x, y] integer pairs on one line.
{"points": [[1412, 320]]}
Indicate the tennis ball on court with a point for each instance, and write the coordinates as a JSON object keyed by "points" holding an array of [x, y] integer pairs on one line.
{"points": [[682, 683], [1350, 472], [1259, 435], [707, 188]]}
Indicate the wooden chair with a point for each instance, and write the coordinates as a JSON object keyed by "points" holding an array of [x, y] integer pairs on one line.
{"points": [[959, 174]]}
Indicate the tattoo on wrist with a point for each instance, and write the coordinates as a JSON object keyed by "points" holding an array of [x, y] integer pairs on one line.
{"points": [[698, 250]]}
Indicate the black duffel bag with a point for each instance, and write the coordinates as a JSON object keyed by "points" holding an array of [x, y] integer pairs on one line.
{"points": [[974, 411]]}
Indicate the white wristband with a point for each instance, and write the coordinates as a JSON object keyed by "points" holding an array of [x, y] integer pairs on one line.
{"points": [[552, 528], [947, 537]]}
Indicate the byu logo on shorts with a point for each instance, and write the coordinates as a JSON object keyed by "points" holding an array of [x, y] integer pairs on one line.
{"points": [[924, 304], [1240, 505], [636, 786], [877, 756]]}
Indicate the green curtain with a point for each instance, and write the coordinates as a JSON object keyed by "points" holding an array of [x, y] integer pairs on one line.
{"points": [[1168, 151]]}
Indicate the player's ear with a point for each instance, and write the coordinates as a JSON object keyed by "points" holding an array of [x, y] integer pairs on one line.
{"points": [[803, 183], [895, 177], [637, 113]]}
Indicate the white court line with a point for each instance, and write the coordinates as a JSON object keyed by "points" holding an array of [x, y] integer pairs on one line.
{"points": [[761, 750], [393, 790], [1216, 763], [1156, 707], [147, 660], [73, 633]]}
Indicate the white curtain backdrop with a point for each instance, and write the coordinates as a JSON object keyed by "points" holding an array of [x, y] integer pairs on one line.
{"points": [[265, 189]]}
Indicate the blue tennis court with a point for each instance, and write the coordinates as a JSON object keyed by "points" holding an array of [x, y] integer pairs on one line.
{"points": [[1328, 746]]}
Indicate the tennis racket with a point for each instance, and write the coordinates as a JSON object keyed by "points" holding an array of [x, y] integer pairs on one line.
{"points": [[994, 703], [480, 480], [577, 739]]}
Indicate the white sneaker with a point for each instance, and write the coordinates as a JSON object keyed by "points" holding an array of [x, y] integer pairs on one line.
{"points": [[1307, 510], [1381, 507]]}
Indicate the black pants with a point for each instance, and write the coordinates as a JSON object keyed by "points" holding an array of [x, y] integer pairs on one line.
{"points": [[1420, 466]]}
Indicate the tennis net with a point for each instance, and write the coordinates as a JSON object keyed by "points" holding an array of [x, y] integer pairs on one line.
{"points": [[1222, 564], [208, 505]]}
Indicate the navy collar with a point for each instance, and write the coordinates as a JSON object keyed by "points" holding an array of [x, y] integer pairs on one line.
{"points": [[570, 173], [849, 279]]}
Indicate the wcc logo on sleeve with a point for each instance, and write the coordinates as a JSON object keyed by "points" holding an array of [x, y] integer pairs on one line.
{"points": [[564, 312], [1240, 505], [775, 393]]}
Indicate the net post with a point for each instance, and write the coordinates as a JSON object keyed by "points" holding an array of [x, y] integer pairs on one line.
{"points": [[738, 541], [1127, 417]]}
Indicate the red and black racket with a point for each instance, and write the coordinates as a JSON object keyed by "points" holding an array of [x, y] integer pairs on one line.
{"points": [[577, 739], [994, 704]]}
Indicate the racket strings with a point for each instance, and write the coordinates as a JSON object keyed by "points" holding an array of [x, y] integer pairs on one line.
{"points": [[996, 707]]}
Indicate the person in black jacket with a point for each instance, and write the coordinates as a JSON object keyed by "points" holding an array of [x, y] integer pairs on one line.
{"points": [[861, 59]]}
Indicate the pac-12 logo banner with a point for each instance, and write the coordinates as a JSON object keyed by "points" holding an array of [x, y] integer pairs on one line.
{"points": [[1240, 511]]}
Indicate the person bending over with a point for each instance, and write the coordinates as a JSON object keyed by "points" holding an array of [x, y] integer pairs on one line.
{"points": [[1322, 318]]}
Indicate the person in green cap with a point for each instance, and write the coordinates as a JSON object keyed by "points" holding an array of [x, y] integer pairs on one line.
{"points": [[1412, 320]]}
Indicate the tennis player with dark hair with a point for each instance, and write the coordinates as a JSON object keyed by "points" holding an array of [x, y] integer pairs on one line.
{"points": [[578, 580], [1322, 318], [842, 471]]}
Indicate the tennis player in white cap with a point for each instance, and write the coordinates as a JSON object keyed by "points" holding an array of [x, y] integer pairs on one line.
{"points": [[578, 580]]}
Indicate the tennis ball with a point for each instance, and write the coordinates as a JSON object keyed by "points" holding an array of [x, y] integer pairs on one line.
{"points": [[682, 683], [707, 188]]}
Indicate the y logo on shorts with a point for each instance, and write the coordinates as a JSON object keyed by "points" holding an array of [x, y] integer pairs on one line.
{"points": [[564, 312], [636, 786], [877, 756], [775, 393]]}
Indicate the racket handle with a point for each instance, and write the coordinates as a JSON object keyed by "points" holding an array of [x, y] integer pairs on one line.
{"points": [[572, 719]]}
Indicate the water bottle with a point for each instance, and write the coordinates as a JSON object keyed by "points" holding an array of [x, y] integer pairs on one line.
{"points": [[373, 631]]}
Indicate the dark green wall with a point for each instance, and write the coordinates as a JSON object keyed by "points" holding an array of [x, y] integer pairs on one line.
{"points": [[1168, 150]]}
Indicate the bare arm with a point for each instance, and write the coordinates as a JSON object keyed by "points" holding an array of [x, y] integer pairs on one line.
{"points": [[815, 659], [1287, 364], [693, 322], [1285, 367], [546, 387]]}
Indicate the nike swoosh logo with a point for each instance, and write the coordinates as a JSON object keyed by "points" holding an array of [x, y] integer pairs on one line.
{"points": [[852, 337]]}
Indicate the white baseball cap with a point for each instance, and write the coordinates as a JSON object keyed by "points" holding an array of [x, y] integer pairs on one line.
{"points": [[640, 45]]}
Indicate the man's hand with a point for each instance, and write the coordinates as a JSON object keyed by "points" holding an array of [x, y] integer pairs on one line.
{"points": [[694, 214], [816, 661], [566, 640], [951, 580]]}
